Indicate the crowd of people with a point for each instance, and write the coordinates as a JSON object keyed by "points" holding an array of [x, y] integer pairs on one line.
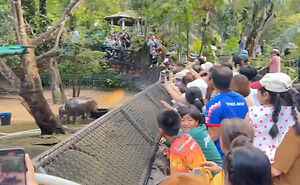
{"points": [[229, 125], [117, 46], [121, 39]]}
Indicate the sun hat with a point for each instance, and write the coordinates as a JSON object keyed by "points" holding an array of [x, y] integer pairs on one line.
{"points": [[275, 82]]}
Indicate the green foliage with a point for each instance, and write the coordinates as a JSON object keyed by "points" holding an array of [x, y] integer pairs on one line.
{"points": [[297, 42], [7, 37], [78, 58], [138, 42], [196, 46], [281, 24], [287, 37], [231, 46], [91, 14], [226, 24], [114, 81], [85, 60], [30, 9], [56, 8]]}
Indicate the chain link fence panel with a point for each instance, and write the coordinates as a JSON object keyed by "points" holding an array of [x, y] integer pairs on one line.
{"points": [[118, 148]]}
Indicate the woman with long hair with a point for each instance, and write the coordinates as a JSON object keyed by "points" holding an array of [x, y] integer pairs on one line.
{"points": [[276, 115], [247, 165], [234, 133]]}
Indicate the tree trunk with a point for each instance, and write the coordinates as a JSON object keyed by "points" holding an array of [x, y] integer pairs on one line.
{"points": [[14, 81], [58, 93], [10, 76], [203, 39], [76, 89], [258, 25], [32, 92], [187, 39], [31, 87]]}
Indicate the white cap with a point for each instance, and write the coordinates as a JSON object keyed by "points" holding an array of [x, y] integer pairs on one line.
{"points": [[275, 82]]}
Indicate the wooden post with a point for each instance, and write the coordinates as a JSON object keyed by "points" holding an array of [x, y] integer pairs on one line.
{"points": [[123, 25]]}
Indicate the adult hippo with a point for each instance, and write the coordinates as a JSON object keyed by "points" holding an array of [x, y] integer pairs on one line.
{"points": [[80, 107]]}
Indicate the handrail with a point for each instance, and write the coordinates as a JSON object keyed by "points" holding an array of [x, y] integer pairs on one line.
{"points": [[46, 179]]}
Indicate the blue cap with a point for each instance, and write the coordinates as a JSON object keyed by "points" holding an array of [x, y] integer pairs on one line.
{"points": [[245, 52], [244, 57]]}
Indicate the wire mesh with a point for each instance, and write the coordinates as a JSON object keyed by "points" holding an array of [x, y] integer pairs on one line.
{"points": [[118, 148]]}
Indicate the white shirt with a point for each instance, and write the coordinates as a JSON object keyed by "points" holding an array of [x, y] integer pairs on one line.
{"points": [[199, 82], [253, 95]]}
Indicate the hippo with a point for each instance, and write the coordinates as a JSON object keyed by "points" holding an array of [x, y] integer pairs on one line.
{"points": [[61, 112], [80, 107]]}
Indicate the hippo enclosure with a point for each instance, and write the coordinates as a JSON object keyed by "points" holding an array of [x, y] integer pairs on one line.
{"points": [[118, 148]]}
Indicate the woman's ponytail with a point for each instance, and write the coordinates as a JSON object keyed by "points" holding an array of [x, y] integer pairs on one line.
{"points": [[198, 103], [194, 96], [277, 108]]}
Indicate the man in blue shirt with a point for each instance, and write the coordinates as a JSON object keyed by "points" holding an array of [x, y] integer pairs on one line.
{"points": [[225, 105]]}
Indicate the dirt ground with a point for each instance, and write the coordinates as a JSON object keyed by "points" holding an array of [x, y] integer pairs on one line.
{"points": [[22, 120]]}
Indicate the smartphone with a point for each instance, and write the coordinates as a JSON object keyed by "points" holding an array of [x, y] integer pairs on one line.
{"points": [[168, 75], [12, 167], [162, 77]]}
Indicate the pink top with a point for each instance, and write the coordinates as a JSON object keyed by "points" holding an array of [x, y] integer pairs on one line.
{"points": [[275, 65]]}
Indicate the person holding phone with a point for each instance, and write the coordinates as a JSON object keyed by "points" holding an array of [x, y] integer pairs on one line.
{"points": [[16, 168], [30, 174]]}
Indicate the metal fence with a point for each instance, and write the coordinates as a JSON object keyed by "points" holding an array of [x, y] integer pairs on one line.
{"points": [[68, 79], [118, 148]]}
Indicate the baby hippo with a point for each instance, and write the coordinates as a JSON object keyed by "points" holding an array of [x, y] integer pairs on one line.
{"points": [[80, 107], [62, 112]]}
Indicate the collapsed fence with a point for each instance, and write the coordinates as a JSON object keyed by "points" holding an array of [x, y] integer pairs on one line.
{"points": [[118, 148]]}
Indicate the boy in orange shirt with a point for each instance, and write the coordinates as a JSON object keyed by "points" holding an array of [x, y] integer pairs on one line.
{"points": [[185, 153]]}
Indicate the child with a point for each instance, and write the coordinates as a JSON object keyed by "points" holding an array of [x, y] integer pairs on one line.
{"points": [[276, 115], [185, 154], [193, 123]]}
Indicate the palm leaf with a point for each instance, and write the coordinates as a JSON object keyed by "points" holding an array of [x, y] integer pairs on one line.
{"points": [[287, 37]]}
